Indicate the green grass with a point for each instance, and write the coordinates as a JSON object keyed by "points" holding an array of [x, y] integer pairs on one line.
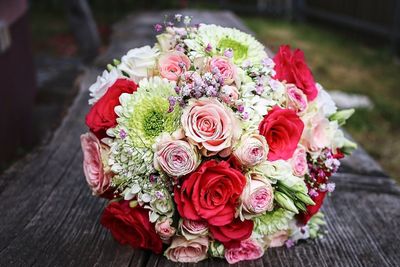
{"points": [[341, 63]]}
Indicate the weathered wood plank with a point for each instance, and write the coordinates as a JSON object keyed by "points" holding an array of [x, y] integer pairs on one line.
{"points": [[49, 218]]}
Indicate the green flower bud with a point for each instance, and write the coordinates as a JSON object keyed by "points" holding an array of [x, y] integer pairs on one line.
{"points": [[341, 116], [305, 198], [216, 249], [285, 202], [348, 147]]}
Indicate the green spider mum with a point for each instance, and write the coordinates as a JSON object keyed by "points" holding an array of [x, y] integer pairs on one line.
{"points": [[272, 222], [144, 114]]}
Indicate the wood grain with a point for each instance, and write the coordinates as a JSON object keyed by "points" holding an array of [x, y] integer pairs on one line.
{"points": [[49, 218]]}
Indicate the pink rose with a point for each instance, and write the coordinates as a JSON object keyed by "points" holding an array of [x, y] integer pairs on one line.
{"points": [[229, 94], [182, 250], [318, 132], [278, 239], [98, 175], [164, 229], [257, 196], [191, 229], [296, 99], [299, 161], [172, 65], [175, 157], [226, 68], [248, 250], [252, 150], [211, 126]]}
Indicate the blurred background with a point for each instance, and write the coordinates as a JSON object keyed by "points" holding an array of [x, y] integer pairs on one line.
{"points": [[352, 46]]}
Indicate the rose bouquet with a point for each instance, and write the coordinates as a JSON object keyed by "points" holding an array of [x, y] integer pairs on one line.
{"points": [[206, 147]]}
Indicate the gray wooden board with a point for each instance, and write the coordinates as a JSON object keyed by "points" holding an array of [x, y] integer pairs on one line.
{"points": [[49, 218]]}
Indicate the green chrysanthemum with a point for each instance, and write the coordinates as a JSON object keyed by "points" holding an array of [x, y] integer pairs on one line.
{"points": [[144, 114], [244, 46], [272, 222]]}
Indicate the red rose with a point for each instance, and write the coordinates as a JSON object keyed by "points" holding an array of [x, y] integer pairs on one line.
{"points": [[102, 116], [282, 128], [312, 209], [230, 235], [292, 68], [210, 193], [131, 226]]}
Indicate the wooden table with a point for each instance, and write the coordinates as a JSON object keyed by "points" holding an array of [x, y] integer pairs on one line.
{"points": [[49, 218]]}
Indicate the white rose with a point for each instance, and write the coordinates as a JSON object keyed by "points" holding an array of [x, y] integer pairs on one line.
{"points": [[325, 102], [138, 63], [103, 82]]}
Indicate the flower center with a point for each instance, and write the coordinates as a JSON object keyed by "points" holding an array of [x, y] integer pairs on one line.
{"points": [[239, 50], [153, 123]]}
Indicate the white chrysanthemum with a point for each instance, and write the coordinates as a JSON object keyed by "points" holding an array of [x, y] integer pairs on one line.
{"points": [[103, 82], [219, 39]]}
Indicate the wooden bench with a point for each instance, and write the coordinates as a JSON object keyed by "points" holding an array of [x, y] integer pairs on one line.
{"points": [[49, 218]]}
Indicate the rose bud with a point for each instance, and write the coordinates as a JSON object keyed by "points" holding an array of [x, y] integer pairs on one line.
{"points": [[191, 229], [164, 229], [257, 196], [299, 161], [296, 99], [252, 150]]}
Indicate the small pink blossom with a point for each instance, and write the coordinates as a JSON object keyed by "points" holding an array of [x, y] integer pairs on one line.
{"points": [[252, 150], [211, 126], [248, 250], [98, 175], [172, 65], [299, 161], [182, 250], [226, 68], [164, 229], [229, 94], [296, 99]]}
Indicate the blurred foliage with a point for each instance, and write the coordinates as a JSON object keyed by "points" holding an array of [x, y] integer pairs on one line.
{"points": [[341, 61]]}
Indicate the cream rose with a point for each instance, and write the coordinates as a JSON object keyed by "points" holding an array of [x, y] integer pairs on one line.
{"points": [[252, 150], [211, 126], [192, 229], [97, 173], [318, 132], [175, 157], [172, 65], [182, 250], [257, 197], [103, 82], [277, 239], [139, 63]]}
